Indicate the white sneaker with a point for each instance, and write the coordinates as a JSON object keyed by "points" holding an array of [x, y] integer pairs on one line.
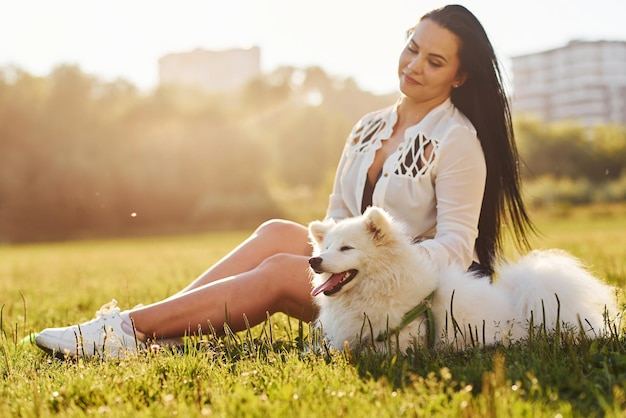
{"points": [[104, 336]]}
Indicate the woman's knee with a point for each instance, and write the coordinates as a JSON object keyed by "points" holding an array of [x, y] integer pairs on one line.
{"points": [[280, 262], [284, 236], [279, 227], [288, 280], [286, 270]]}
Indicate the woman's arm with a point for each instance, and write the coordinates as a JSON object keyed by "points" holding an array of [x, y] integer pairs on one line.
{"points": [[336, 206], [459, 176]]}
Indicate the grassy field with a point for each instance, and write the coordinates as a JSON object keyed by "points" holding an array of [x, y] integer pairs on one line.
{"points": [[265, 371]]}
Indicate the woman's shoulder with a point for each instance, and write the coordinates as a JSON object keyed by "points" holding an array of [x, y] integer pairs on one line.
{"points": [[460, 121], [377, 122], [452, 119], [385, 114], [448, 125]]}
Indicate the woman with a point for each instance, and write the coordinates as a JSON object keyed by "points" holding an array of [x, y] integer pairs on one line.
{"points": [[442, 159]]}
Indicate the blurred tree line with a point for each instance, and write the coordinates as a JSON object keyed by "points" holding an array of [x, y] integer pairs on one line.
{"points": [[569, 164], [81, 157]]}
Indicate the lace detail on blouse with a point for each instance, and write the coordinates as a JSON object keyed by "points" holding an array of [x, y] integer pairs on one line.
{"points": [[364, 134], [413, 162]]}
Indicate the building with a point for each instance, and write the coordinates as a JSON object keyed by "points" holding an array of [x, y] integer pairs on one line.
{"points": [[213, 71], [583, 81]]}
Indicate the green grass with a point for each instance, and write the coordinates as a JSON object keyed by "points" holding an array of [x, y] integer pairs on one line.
{"points": [[267, 371]]}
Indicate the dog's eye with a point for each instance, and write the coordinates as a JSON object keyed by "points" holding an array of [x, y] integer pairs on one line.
{"points": [[346, 248]]}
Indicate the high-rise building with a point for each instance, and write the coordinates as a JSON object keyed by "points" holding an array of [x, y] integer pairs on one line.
{"points": [[213, 71], [583, 81]]}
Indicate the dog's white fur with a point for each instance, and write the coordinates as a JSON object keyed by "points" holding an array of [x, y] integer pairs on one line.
{"points": [[395, 275]]}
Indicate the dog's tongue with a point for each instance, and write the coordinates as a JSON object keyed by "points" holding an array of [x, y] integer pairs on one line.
{"points": [[328, 284]]}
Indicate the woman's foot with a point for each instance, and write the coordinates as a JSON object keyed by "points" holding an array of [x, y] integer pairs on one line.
{"points": [[109, 335]]}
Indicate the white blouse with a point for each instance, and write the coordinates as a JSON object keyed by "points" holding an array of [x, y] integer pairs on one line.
{"points": [[438, 199]]}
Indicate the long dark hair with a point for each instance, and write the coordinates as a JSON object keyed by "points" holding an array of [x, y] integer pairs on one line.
{"points": [[483, 100]]}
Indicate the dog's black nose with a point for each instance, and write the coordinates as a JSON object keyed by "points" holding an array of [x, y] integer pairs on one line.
{"points": [[315, 262]]}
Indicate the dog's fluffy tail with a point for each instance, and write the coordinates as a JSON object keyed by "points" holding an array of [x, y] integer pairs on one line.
{"points": [[555, 284]]}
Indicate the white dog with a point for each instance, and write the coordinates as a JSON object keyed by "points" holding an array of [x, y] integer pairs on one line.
{"points": [[372, 285]]}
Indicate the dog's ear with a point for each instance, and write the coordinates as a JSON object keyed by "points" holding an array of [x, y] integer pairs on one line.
{"points": [[378, 223], [318, 229]]}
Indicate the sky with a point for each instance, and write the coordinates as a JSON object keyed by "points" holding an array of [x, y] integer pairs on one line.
{"points": [[361, 39]]}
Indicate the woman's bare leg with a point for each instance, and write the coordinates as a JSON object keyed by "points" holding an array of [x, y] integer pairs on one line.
{"points": [[272, 237], [279, 283], [267, 273]]}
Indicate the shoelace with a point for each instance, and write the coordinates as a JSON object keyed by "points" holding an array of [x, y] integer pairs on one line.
{"points": [[106, 308]]}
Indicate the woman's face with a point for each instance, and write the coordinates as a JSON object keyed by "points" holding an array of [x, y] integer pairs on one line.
{"points": [[429, 64]]}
